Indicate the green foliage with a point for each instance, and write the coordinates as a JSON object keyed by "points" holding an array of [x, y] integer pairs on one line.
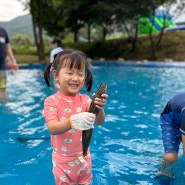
{"points": [[22, 43], [64, 16], [111, 49], [98, 18], [172, 47]]}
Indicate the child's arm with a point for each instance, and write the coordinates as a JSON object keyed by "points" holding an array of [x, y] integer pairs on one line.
{"points": [[56, 127], [80, 121], [11, 55], [183, 144], [100, 104]]}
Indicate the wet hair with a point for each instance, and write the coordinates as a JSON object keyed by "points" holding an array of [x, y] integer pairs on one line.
{"points": [[72, 59]]}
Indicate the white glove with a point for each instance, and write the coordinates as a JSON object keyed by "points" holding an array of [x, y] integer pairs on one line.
{"points": [[82, 121]]}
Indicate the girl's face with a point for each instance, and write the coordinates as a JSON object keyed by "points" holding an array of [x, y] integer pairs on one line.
{"points": [[69, 81]]}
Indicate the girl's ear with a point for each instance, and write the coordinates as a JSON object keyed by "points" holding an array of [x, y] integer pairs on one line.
{"points": [[56, 79], [55, 74]]}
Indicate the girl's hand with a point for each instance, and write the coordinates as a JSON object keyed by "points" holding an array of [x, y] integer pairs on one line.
{"points": [[101, 102], [82, 120]]}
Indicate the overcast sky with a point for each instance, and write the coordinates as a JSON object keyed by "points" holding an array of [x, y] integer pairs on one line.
{"points": [[9, 9]]}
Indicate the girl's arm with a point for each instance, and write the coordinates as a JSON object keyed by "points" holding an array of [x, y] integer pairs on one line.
{"points": [[58, 127], [80, 121]]}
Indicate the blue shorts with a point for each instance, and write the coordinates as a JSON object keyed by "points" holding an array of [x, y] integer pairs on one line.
{"points": [[171, 135]]}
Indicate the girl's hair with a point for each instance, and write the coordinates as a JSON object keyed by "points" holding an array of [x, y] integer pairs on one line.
{"points": [[72, 59]]}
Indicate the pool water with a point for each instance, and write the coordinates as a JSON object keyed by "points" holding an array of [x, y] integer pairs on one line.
{"points": [[125, 149]]}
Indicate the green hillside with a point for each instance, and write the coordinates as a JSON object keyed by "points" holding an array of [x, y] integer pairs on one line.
{"points": [[19, 25]]}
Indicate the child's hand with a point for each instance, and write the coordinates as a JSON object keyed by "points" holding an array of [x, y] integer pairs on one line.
{"points": [[12, 66], [82, 121], [101, 102]]}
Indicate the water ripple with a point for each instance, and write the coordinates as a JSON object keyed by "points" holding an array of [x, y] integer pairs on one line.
{"points": [[125, 149]]}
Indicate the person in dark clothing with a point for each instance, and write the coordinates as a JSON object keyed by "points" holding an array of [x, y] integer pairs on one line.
{"points": [[5, 51], [172, 122]]}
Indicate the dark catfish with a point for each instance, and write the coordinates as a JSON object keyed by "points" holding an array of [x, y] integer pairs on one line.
{"points": [[87, 134]]}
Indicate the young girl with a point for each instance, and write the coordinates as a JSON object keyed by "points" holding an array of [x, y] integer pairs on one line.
{"points": [[66, 115]]}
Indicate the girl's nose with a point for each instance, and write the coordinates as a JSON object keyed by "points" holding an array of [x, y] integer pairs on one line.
{"points": [[75, 77]]}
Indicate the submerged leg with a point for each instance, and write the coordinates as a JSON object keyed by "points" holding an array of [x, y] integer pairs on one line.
{"points": [[166, 166], [165, 176], [165, 163]]}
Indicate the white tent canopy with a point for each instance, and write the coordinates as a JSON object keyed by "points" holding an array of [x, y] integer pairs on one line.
{"points": [[180, 20]]}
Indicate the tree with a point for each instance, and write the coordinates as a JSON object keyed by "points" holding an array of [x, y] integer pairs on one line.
{"points": [[127, 18], [54, 23], [104, 16], [156, 38], [88, 15], [37, 8], [71, 16]]}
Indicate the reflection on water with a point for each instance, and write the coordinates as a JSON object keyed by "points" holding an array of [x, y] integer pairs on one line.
{"points": [[125, 150]]}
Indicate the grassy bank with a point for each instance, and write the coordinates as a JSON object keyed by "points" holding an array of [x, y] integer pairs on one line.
{"points": [[172, 48], [28, 59]]}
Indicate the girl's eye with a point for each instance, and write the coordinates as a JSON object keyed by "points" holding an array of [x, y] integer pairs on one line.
{"points": [[81, 74], [69, 73]]}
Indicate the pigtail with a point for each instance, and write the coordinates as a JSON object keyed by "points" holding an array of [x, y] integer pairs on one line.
{"points": [[47, 74], [88, 80]]}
